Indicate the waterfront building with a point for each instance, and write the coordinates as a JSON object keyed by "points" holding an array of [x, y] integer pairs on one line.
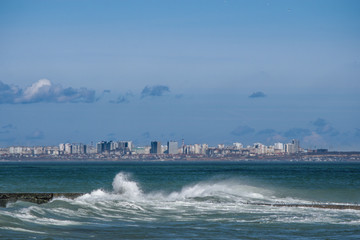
{"points": [[103, 146], [75, 148], [197, 149], [172, 147], [14, 150], [52, 150], [120, 147], [289, 148], [38, 150], [125, 146], [164, 149], [114, 146], [78, 148], [4, 151], [270, 150], [62, 147], [279, 146], [21, 150], [83, 149], [141, 150], [204, 148], [189, 149], [260, 148], [155, 147], [90, 149], [292, 147], [68, 148], [99, 147], [296, 144], [237, 145]]}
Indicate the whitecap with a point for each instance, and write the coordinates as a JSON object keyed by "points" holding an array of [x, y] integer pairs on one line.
{"points": [[21, 230]]}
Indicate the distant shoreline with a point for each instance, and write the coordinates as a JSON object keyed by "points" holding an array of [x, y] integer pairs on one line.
{"points": [[310, 157]]}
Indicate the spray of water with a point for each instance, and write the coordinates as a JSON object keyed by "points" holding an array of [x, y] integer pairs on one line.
{"points": [[231, 190], [216, 199], [123, 185]]}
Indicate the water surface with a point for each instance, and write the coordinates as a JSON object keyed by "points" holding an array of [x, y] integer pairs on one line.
{"points": [[181, 200]]}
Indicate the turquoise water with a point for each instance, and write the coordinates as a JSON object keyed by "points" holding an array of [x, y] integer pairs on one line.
{"points": [[182, 200]]}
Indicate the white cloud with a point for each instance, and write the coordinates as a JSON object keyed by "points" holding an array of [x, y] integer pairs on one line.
{"points": [[38, 89], [44, 91]]}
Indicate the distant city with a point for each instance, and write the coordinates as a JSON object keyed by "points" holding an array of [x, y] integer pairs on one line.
{"points": [[173, 150], [126, 149]]}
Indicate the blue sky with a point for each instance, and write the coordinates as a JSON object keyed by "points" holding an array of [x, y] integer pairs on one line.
{"points": [[206, 71]]}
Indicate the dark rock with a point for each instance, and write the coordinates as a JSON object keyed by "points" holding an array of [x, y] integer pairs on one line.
{"points": [[38, 198]]}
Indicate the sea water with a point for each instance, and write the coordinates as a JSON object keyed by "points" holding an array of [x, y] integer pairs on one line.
{"points": [[181, 200]]}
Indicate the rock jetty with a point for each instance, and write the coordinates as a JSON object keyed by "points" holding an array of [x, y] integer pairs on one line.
{"points": [[34, 197]]}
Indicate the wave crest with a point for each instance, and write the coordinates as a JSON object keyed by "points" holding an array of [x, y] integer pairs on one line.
{"points": [[124, 186], [230, 190]]}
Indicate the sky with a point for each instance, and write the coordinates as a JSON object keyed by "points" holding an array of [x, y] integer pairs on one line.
{"points": [[206, 71]]}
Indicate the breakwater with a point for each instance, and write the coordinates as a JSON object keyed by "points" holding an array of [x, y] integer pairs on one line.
{"points": [[34, 197]]}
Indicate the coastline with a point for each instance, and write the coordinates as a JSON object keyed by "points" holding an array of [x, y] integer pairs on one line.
{"points": [[322, 157]]}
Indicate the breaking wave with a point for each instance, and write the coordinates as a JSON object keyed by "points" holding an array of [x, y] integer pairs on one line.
{"points": [[127, 204], [222, 191], [231, 190]]}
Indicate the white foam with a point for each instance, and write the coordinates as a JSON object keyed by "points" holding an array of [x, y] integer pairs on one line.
{"points": [[123, 189], [231, 190], [227, 190], [34, 214], [21, 230], [122, 185], [215, 198]]}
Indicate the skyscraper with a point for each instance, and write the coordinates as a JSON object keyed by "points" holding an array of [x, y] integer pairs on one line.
{"points": [[172, 147], [155, 147], [103, 146], [296, 144], [293, 147]]}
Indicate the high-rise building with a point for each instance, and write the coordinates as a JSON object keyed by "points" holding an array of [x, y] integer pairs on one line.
{"points": [[155, 147], [90, 149], [237, 145], [62, 147], [290, 148], [103, 146], [81, 148], [172, 147], [114, 146], [125, 146], [221, 146], [296, 144], [197, 149], [68, 148], [293, 147], [204, 148], [279, 146], [260, 148]]}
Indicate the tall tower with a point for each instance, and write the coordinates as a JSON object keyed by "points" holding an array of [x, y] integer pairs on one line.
{"points": [[155, 147], [296, 144], [172, 147]]}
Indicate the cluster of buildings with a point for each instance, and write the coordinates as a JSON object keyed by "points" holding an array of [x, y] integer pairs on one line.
{"points": [[126, 148], [118, 148]]}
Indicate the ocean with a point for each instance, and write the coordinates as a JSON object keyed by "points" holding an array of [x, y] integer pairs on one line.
{"points": [[182, 200]]}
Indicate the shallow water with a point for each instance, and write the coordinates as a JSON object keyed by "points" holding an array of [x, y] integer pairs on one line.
{"points": [[207, 200]]}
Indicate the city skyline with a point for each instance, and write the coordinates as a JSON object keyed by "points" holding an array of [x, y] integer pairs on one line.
{"points": [[126, 149], [155, 147], [204, 71]]}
